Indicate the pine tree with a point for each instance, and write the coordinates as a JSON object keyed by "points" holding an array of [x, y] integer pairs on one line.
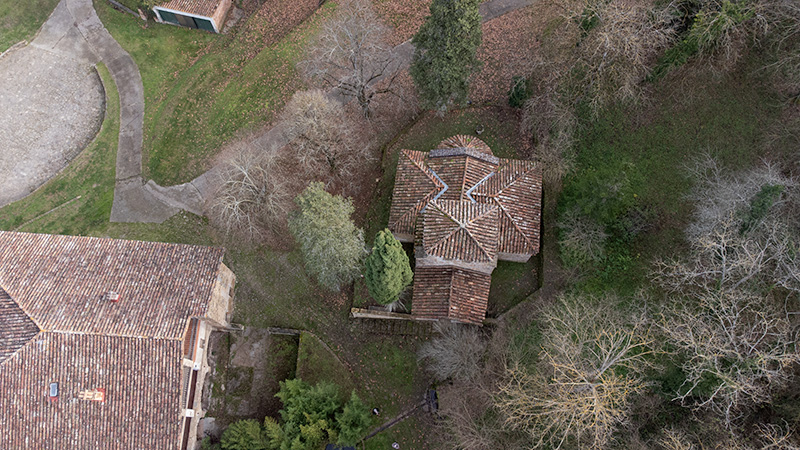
{"points": [[445, 53], [332, 246], [387, 270], [353, 421]]}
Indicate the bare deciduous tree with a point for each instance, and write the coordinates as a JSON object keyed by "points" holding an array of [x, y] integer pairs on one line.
{"points": [[552, 125], [321, 137], [455, 352], [252, 197], [731, 317], [592, 358], [581, 240], [351, 55], [617, 53]]}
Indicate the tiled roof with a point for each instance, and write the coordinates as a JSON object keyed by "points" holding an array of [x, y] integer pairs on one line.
{"points": [[464, 141], [514, 186], [16, 328], [141, 378], [56, 327], [414, 186], [450, 293], [200, 7], [465, 209], [464, 231], [59, 281]]}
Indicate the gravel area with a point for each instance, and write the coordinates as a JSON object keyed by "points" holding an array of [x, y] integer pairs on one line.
{"points": [[52, 104]]}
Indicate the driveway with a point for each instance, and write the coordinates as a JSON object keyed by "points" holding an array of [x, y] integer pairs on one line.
{"points": [[51, 106]]}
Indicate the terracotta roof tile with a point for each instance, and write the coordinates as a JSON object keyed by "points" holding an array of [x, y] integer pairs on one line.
{"points": [[414, 187], [141, 378], [16, 328], [200, 7], [56, 328], [465, 208], [464, 141], [450, 293], [463, 231], [59, 281]]}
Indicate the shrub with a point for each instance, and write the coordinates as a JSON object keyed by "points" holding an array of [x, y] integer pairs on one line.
{"points": [[455, 352], [309, 413], [581, 239], [519, 92], [353, 421]]}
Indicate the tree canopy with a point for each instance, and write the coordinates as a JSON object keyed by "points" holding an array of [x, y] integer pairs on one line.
{"points": [[387, 270], [332, 247], [445, 53]]}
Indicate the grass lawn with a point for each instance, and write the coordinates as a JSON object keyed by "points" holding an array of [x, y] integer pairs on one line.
{"points": [[78, 199], [651, 147], [20, 20], [316, 363], [203, 89]]}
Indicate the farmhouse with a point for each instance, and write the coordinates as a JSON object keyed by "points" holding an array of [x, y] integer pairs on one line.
{"points": [[206, 15], [464, 209], [102, 341]]}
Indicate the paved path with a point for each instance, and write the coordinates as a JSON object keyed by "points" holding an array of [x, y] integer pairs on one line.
{"points": [[75, 30], [51, 105], [155, 203]]}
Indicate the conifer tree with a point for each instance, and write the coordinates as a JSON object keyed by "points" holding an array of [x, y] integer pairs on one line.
{"points": [[387, 270], [353, 421], [445, 53]]}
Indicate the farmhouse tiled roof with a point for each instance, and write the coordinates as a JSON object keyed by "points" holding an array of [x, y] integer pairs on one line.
{"points": [[462, 231], [464, 208], [60, 281], [204, 8], [450, 293], [57, 327], [467, 174]]}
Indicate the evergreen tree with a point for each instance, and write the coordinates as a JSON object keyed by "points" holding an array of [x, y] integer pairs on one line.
{"points": [[353, 421], [244, 435], [332, 246], [387, 270], [309, 413], [445, 53]]}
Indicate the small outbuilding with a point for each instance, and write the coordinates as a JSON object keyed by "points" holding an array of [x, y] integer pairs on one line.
{"points": [[206, 15]]}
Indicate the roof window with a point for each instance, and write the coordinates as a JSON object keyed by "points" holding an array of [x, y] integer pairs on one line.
{"points": [[53, 392]]}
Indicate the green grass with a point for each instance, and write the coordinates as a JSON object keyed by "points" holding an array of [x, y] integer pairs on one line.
{"points": [[316, 363], [652, 147], [20, 20], [201, 89], [512, 283], [83, 192]]}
